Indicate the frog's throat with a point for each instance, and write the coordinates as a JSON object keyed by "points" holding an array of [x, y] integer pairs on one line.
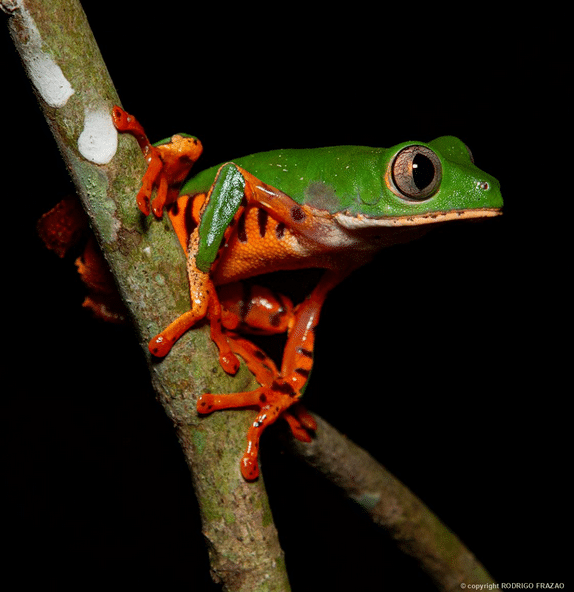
{"points": [[355, 222]]}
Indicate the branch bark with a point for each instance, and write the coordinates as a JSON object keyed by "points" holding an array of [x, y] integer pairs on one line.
{"points": [[393, 507], [76, 95]]}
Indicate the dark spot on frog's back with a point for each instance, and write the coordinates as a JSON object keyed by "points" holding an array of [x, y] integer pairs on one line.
{"points": [[297, 214], [322, 196]]}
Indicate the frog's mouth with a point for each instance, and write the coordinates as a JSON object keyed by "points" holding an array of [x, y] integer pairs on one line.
{"points": [[358, 222]]}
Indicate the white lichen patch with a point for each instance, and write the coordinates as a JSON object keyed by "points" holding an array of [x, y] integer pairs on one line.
{"points": [[98, 141], [45, 74]]}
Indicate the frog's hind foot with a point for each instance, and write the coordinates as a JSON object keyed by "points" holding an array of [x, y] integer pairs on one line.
{"points": [[274, 398], [272, 402]]}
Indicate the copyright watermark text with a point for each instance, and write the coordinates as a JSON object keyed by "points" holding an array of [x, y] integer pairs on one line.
{"points": [[515, 586]]}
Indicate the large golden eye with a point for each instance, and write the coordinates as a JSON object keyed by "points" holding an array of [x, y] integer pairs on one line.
{"points": [[416, 172]]}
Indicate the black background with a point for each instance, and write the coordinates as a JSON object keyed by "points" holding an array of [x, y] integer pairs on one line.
{"points": [[446, 358]]}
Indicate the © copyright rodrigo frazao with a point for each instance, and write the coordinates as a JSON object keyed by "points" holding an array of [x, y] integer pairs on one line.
{"points": [[515, 586]]}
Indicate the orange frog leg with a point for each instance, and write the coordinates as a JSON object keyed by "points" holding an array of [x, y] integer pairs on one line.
{"points": [[300, 421], [254, 309], [279, 404], [204, 298], [205, 302], [61, 229], [279, 390], [169, 163]]}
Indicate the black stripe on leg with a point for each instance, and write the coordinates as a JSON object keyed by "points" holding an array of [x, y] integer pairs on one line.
{"points": [[262, 219]]}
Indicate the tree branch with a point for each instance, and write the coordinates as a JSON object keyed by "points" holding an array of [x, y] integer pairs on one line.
{"points": [[76, 95], [392, 506]]}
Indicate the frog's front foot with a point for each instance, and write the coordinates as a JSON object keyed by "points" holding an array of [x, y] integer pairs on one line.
{"points": [[128, 124], [168, 163], [160, 345]]}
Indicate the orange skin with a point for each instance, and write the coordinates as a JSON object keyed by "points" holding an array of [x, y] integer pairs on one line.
{"points": [[259, 311], [268, 232], [64, 227], [252, 309]]}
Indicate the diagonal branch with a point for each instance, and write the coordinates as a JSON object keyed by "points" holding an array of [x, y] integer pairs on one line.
{"points": [[393, 507], [76, 95]]}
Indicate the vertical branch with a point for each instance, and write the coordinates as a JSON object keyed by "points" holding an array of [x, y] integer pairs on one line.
{"points": [[76, 95]]}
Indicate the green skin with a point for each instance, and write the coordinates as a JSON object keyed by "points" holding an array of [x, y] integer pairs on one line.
{"points": [[350, 179]]}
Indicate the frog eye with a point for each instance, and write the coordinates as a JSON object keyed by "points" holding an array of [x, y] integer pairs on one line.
{"points": [[416, 172]]}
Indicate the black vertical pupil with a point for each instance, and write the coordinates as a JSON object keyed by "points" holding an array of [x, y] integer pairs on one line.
{"points": [[423, 171]]}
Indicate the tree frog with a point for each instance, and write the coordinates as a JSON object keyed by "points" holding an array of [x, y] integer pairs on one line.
{"points": [[329, 208]]}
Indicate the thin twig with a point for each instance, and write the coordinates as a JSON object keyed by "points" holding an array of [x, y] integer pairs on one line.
{"points": [[392, 506]]}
